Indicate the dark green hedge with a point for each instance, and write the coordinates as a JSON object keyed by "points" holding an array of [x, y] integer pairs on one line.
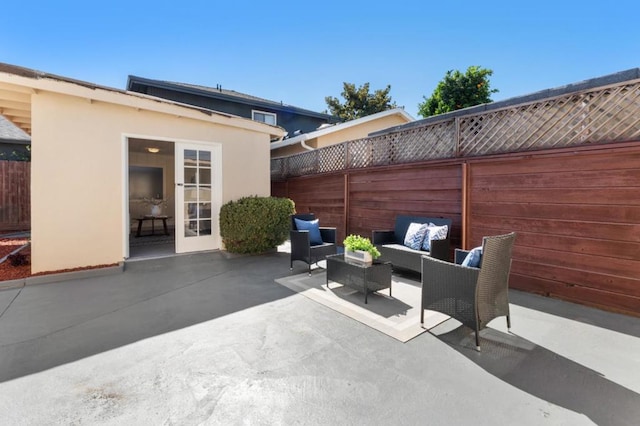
{"points": [[255, 224]]}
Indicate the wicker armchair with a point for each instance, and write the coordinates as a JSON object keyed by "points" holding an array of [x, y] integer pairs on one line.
{"points": [[472, 296], [301, 248]]}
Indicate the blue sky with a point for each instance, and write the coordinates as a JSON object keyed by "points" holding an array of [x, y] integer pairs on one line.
{"points": [[299, 52]]}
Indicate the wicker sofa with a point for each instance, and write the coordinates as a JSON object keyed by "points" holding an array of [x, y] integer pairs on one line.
{"points": [[392, 248]]}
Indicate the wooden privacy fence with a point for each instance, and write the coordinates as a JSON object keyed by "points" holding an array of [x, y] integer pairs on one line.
{"points": [[576, 213], [15, 204]]}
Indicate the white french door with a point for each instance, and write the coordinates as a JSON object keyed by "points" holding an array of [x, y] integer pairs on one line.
{"points": [[198, 196]]}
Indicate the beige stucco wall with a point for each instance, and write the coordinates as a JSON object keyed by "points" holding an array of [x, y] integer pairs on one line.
{"points": [[358, 131], [288, 150], [77, 199]]}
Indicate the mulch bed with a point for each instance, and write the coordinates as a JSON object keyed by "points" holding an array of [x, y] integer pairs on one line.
{"points": [[10, 272], [7, 270]]}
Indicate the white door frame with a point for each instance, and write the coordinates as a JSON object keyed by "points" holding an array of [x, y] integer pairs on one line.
{"points": [[216, 188]]}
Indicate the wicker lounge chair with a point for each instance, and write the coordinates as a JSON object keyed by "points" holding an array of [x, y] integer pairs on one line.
{"points": [[301, 248], [473, 296]]}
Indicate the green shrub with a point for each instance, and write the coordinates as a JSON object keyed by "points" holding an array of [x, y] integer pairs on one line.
{"points": [[255, 224]]}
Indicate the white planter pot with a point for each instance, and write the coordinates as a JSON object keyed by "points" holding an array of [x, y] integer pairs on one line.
{"points": [[156, 210], [358, 256]]}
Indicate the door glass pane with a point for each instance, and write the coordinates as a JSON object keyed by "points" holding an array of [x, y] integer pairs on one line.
{"points": [[205, 211], [205, 176], [190, 228], [191, 210], [205, 227], [190, 157], [205, 159], [205, 193], [190, 175], [190, 193]]}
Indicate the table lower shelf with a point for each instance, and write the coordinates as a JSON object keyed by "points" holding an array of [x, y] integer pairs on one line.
{"points": [[364, 278]]}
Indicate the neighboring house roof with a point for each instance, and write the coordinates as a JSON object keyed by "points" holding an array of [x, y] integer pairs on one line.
{"points": [[224, 94], [23, 82], [325, 130], [9, 133]]}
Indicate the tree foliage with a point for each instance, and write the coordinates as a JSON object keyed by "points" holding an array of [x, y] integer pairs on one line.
{"points": [[358, 102], [457, 91]]}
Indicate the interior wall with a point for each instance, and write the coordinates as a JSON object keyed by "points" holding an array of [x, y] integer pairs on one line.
{"points": [[165, 159]]}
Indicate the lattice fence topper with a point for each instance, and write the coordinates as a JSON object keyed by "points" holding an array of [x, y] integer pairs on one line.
{"points": [[600, 115]]}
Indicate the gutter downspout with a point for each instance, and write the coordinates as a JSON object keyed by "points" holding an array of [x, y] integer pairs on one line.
{"points": [[305, 146]]}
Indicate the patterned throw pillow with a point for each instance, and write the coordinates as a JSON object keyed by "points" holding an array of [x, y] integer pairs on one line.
{"points": [[473, 258], [415, 235], [435, 233]]}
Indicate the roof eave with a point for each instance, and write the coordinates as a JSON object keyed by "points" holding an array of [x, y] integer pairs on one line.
{"points": [[341, 126]]}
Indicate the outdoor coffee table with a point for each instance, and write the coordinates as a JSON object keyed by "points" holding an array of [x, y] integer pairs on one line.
{"points": [[364, 278]]}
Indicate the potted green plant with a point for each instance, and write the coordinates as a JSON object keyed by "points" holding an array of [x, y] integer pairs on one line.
{"points": [[360, 249]]}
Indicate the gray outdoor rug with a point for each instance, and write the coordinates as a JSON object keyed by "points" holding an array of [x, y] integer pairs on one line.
{"points": [[397, 316]]}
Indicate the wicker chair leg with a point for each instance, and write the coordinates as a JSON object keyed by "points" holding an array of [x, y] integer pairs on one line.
{"points": [[477, 339], [508, 322]]}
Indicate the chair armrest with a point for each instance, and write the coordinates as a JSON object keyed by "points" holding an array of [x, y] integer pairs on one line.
{"points": [[299, 239], [444, 278], [440, 249], [382, 237], [328, 235], [460, 255]]}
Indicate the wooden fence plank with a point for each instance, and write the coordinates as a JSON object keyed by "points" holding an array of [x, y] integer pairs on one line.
{"points": [[15, 193]]}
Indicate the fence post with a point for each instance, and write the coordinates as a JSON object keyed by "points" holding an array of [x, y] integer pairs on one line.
{"points": [[346, 155], [345, 220], [465, 204], [457, 136]]}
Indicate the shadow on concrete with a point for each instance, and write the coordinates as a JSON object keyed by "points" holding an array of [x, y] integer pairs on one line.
{"points": [[52, 324], [547, 375], [608, 320]]}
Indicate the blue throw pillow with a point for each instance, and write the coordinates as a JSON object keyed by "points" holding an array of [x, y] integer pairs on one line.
{"points": [[313, 226], [435, 233], [473, 258], [415, 234]]}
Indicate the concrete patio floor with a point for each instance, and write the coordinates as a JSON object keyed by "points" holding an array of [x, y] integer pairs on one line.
{"points": [[212, 339]]}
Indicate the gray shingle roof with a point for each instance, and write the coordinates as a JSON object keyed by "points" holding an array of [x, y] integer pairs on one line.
{"points": [[220, 93], [9, 133]]}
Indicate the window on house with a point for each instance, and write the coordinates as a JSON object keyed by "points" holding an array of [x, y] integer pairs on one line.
{"points": [[265, 117]]}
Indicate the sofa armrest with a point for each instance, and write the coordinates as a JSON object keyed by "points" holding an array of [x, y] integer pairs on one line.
{"points": [[460, 255], [328, 234], [383, 237]]}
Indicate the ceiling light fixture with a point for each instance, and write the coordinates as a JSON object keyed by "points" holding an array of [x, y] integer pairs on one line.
{"points": [[153, 150]]}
